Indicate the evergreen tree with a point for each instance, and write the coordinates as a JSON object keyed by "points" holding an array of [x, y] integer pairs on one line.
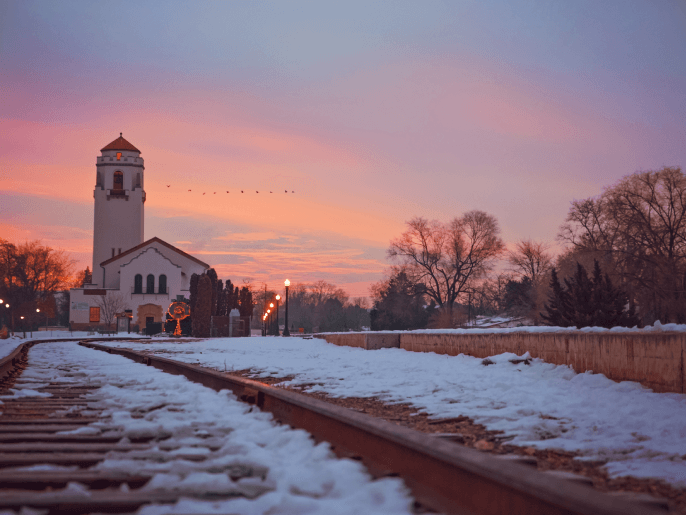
{"points": [[212, 274], [517, 300], [244, 301], [587, 302], [398, 305], [203, 308], [558, 304], [583, 305], [193, 292]]}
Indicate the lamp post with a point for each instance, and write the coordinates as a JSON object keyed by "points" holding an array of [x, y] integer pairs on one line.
{"points": [[7, 306], [286, 332], [37, 311], [23, 328], [46, 317], [271, 319], [278, 298], [10, 319]]}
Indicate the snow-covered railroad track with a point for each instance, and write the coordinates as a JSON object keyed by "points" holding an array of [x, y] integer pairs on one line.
{"points": [[85, 431], [443, 476], [82, 431]]}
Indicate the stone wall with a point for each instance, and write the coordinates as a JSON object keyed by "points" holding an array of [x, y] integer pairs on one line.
{"points": [[655, 360], [368, 341]]}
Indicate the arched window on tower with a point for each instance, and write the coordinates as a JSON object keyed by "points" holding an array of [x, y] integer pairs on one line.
{"points": [[163, 284], [118, 183], [150, 286], [138, 284]]}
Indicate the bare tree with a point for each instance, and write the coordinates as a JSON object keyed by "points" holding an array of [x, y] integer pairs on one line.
{"points": [[110, 305], [30, 273], [639, 225], [530, 259], [446, 257], [489, 295], [321, 291]]}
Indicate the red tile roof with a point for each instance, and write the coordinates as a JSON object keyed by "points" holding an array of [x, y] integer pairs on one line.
{"points": [[120, 144], [146, 243]]}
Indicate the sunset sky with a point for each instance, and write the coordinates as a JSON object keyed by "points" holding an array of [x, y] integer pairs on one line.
{"points": [[371, 112]]}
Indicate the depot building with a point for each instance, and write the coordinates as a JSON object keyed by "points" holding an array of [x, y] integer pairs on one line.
{"points": [[139, 276]]}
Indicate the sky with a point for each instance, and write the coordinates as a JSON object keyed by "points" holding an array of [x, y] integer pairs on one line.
{"points": [[372, 113]]}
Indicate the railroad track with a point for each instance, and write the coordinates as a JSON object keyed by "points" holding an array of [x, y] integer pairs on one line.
{"points": [[442, 476]]}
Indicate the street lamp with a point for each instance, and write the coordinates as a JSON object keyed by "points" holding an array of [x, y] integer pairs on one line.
{"points": [[278, 297], [286, 332], [46, 318], [6, 306], [22, 326], [271, 319]]}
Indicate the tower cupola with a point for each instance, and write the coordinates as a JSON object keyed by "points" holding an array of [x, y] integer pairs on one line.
{"points": [[119, 200]]}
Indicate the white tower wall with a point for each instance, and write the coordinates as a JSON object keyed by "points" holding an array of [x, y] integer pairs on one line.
{"points": [[118, 212]]}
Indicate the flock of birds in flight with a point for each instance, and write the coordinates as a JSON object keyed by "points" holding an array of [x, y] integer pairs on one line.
{"points": [[285, 191]]}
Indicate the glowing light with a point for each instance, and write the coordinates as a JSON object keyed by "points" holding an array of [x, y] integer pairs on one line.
{"points": [[287, 283], [278, 297], [178, 311]]}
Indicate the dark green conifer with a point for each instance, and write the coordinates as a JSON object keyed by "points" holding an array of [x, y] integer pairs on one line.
{"points": [[588, 302]]}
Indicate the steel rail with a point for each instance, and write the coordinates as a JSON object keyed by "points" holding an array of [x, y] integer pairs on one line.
{"points": [[442, 476], [9, 362]]}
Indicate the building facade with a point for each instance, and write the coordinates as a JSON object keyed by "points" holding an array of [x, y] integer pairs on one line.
{"points": [[128, 272]]}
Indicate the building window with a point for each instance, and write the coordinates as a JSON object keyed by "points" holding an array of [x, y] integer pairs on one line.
{"points": [[118, 156], [94, 314], [112, 251], [119, 251], [150, 286], [163, 283], [118, 181], [138, 284]]}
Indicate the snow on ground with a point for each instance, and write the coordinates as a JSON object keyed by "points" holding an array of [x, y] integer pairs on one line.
{"points": [[636, 431], [11, 343], [656, 327], [290, 474]]}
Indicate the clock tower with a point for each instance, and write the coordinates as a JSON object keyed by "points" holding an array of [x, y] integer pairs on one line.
{"points": [[119, 200]]}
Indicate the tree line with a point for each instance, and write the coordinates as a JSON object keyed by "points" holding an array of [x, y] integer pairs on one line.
{"points": [[623, 263], [31, 276], [315, 307]]}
